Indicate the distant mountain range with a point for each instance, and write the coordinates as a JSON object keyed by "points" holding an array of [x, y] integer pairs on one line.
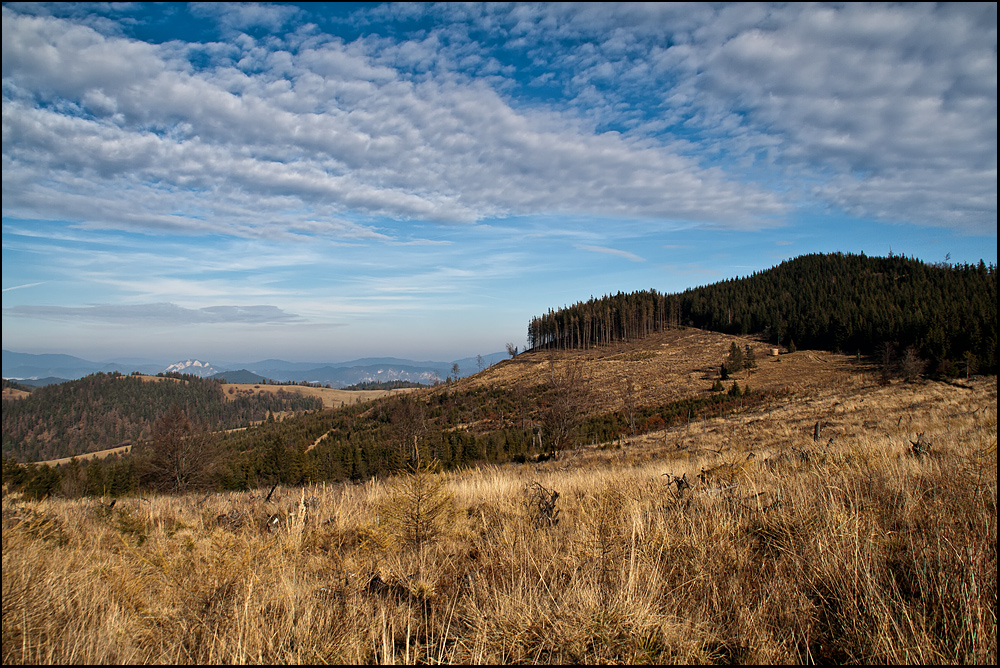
{"points": [[32, 369]]}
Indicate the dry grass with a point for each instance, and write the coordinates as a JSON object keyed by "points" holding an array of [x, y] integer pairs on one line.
{"points": [[854, 550], [11, 393], [332, 398], [673, 365], [100, 454]]}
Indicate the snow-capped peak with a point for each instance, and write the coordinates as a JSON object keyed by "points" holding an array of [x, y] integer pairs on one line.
{"points": [[194, 367]]}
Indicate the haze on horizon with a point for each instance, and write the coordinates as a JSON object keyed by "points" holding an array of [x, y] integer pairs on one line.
{"points": [[335, 181]]}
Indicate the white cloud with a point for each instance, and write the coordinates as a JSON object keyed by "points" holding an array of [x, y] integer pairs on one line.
{"points": [[880, 105], [157, 314], [327, 128], [20, 287], [613, 251], [240, 16]]}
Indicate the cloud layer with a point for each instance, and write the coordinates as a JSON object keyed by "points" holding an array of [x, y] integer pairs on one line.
{"points": [[116, 132], [891, 111], [140, 315]]}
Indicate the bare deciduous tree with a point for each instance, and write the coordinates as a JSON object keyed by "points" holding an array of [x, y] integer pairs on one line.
{"points": [[885, 355], [179, 457], [409, 424], [630, 400], [562, 406], [911, 365]]}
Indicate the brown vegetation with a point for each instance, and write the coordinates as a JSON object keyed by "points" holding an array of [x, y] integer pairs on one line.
{"points": [[332, 398], [100, 454], [813, 531], [669, 366], [11, 393]]}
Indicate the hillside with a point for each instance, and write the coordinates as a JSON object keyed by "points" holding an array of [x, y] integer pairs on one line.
{"points": [[103, 411], [598, 372], [836, 302], [601, 505], [523, 408]]}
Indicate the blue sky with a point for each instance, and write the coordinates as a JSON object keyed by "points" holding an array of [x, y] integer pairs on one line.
{"points": [[325, 182]]}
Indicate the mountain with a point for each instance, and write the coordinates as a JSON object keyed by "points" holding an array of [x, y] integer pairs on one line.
{"points": [[369, 369], [242, 376], [57, 368], [25, 366], [192, 367], [42, 382]]}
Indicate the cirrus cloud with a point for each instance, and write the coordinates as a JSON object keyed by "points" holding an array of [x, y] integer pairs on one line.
{"points": [[157, 314]]}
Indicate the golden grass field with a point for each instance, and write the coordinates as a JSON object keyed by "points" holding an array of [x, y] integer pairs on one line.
{"points": [[11, 393], [332, 398], [780, 548]]}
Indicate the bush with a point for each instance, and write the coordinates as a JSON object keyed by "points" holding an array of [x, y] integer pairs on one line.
{"points": [[418, 506]]}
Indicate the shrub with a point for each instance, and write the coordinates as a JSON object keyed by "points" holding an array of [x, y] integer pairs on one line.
{"points": [[418, 506]]}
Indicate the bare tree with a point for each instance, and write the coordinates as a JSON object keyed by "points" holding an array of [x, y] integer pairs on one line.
{"points": [[408, 421], [562, 406], [630, 400], [179, 457], [885, 353], [911, 365], [512, 350]]}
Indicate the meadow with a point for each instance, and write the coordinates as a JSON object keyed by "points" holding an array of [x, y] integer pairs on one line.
{"points": [[753, 538]]}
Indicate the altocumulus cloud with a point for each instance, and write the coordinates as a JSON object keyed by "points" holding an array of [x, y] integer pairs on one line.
{"points": [[728, 115], [164, 314], [248, 141], [886, 111]]}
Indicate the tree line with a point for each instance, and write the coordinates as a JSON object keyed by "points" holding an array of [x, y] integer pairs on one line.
{"points": [[840, 302]]}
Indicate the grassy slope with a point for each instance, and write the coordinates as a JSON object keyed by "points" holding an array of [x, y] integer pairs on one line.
{"points": [[332, 398], [850, 550]]}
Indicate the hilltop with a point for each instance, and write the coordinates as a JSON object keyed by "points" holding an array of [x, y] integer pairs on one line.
{"points": [[103, 411], [945, 314]]}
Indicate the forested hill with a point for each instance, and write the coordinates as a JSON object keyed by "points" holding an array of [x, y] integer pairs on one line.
{"points": [[841, 302], [106, 410]]}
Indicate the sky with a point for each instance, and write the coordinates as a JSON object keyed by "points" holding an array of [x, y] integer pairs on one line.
{"points": [[323, 182]]}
